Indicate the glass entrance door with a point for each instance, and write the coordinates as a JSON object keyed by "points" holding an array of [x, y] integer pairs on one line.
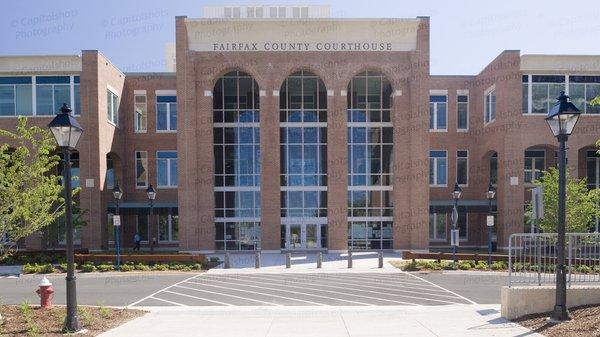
{"points": [[302, 236]]}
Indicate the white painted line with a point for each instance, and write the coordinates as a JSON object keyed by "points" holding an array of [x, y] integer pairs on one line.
{"points": [[464, 298], [393, 281], [254, 292], [196, 297], [160, 299], [281, 290], [374, 280], [399, 283], [330, 291], [151, 295], [379, 289], [228, 295]]}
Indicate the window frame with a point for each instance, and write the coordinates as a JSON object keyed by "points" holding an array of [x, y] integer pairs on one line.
{"points": [[136, 169], [112, 111], [466, 158], [136, 124], [435, 223], [170, 183], [169, 105], [170, 217], [435, 127], [489, 109], [458, 104], [534, 169], [435, 173]]}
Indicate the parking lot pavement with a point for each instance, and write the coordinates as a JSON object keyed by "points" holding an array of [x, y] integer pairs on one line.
{"points": [[303, 289]]}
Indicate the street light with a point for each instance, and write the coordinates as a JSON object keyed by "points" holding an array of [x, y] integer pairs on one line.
{"points": [[67, 131], [118, 194], [490, 194], [456, 193], [562, 118], [151, 195]]}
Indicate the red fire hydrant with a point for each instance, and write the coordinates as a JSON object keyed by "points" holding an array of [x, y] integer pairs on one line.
{"points": [[46, 293]]}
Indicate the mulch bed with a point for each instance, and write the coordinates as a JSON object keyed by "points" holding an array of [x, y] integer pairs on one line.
{"points": [[585, 322], [32, 321]]}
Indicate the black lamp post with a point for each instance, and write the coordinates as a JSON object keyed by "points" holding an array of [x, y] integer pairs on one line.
{"points": [[490, 194], [562, 118], [118, 194], [151, 196], [455, 237], [67, 131]]}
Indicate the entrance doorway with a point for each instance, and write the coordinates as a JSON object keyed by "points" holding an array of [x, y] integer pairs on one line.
{"points": [[303, 236]]}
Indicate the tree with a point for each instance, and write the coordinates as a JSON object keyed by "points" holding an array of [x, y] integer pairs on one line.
{"points": [[30, 194], [582, 203]]}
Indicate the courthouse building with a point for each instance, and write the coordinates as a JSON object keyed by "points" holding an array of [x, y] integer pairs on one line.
{"points": [[279, 130]]}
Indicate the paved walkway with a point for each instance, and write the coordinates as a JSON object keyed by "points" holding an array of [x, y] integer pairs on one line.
{"points": [[414, 321]]}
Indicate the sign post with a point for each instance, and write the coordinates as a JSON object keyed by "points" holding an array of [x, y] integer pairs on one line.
{"points": [[117, 225]]}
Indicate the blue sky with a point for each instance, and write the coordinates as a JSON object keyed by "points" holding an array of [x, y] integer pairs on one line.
{"points": [[465, 34]]}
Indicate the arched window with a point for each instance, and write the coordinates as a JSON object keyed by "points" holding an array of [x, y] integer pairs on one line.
{"points": [[303, 133], [370, 160], [237, 162]]}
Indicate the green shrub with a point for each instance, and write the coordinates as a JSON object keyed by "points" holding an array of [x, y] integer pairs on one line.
{"points": [[160, 267], [499, 265], [410, 266], [597, 269], [127, 267], [46, 268], [584, 269], [30, 268], [481, 265], [87, 268], [196, 266], [465, 265], [105, 267], [38, 268], [142, 267]]}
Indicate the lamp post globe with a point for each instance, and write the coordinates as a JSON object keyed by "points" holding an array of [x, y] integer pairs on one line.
{"points": [[67, 131], [561, 119]]}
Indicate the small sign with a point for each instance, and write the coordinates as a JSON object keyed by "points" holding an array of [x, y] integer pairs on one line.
{"points": [[490, 221], [514, 181], [537, 203], [116, 220], [454, 236]]}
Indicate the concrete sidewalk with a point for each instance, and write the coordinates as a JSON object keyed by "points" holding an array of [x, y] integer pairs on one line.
{"points": [[446, 321], [336, 262]]}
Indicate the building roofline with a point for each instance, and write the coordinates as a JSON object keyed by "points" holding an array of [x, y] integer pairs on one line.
{"points": [[151, 73]]}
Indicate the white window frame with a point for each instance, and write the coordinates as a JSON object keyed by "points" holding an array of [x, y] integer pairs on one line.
{"points": [[72, 84], [487, 108], [435, 238], [136, 124], [467, 158], [435, 172], [435, 110], [462, 93], [169, 128], [112, 112], [533, 167], [168, 168], [169, 229], [135, 159]]}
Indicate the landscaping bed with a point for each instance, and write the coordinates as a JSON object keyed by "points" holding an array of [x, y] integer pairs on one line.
{"points": [[31, 321], [431, 265], [89, 267], [585, 323]]}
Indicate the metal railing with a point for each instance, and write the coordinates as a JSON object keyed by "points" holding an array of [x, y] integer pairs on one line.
{"points": [[532, 258]]}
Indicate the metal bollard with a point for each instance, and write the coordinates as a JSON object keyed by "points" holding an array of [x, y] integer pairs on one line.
{"points": [[256, 259], [319, 259], [349, 258], [288, 260], [380, 257], [227, 262]]}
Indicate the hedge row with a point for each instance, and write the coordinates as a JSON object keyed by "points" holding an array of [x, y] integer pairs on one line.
{"points": [[88, 267]]}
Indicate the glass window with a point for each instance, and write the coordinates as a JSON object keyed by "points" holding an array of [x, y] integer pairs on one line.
{"points": [[437, 226], [438, 114], [370, 158], [462, 112], [490, 106], [544, 91], [166, 168], [534, 165], [142, 226], [110, 228], [140, 113], [236, 147], [462, 167], [110, 172], [16, 95], [141, 169], [168, 228], [166, 113], [7, 100], [438, 168], [112, 107], [463, 226]]}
